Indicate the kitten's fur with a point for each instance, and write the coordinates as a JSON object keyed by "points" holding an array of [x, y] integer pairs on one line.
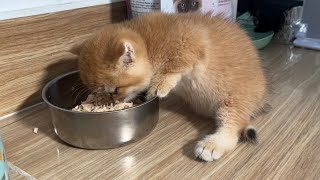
{"points": [[209, 62], [183, 6]]}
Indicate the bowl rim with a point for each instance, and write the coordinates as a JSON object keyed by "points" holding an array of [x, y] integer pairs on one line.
{"points": [[51, 82]]}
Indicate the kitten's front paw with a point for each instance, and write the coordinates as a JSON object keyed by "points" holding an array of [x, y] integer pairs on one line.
{"points": [[157, 92], [152, 92], [212, 147], [161, 91]]}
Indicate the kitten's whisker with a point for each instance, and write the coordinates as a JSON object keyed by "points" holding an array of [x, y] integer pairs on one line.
{"points": [[77, 89], [79, 85], [76, 86], [81, 92]]}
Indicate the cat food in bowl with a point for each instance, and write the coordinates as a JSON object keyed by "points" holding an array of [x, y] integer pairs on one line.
{"points": [[93, 128], [97, 103]]}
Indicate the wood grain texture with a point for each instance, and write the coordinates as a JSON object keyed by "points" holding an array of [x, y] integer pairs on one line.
{"points": [[16, 176], [288, 147], [34, 49]]}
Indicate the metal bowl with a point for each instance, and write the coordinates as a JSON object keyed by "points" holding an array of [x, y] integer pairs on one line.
{"points": [[95, 130]]}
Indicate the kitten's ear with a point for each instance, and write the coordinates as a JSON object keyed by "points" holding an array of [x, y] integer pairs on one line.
{"points": [[78, 45], [128, 54], [76, 48]]}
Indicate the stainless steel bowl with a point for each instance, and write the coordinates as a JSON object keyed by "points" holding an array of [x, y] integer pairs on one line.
{"points": [[95, 130]]}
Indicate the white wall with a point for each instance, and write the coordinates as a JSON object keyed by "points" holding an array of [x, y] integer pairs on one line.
{"points": [[19, 8]]}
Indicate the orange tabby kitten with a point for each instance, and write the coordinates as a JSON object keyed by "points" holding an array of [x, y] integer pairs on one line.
{"points": [[209, 62]]}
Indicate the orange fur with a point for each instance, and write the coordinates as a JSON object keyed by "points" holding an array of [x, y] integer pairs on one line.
{"points": [[210, 62]]}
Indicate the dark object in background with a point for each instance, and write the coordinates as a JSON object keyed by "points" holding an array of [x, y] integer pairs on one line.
{"points": [[269, 15], [183, 6]]}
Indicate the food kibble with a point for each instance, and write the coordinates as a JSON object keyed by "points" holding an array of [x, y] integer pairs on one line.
{"points": [[100, 103], [35, 130]]}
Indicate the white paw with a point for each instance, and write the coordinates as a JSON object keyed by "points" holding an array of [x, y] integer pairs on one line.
{"points": [[157, 92], [212, 147], [205, 153], [162, 93], [151, 93]]}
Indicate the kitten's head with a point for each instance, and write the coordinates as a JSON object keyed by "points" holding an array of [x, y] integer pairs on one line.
{"points": [[183, 6], [115, 61]]}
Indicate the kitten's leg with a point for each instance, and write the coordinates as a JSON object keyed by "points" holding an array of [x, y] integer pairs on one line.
{"points": [[161, 85], [234, 120]]}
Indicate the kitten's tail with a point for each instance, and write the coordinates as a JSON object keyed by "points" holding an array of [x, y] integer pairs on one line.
{"points": [[261, 111], [249, 134]]}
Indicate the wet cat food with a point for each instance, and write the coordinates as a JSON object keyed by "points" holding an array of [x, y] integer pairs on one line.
{"points": [[99, 103]]}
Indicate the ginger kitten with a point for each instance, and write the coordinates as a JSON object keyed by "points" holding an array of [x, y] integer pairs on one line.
{"points": [[209, 62]]}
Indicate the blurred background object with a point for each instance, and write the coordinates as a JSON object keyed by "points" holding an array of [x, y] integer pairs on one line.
{"points": [[308, 31]]}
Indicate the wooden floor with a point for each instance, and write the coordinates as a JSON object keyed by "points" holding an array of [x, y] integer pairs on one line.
{"points": [[35, 49], [288, 148]]}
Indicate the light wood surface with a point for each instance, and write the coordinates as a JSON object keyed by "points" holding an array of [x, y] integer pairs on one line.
{"points": [[34, 49], [288, 148]]}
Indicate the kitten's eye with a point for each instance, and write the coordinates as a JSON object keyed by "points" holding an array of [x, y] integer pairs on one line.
{"points": [[182, 5]]}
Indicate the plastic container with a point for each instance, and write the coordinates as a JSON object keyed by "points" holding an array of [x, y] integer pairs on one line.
{"points": [[260, 40], [4, 170], [226, 8]]}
